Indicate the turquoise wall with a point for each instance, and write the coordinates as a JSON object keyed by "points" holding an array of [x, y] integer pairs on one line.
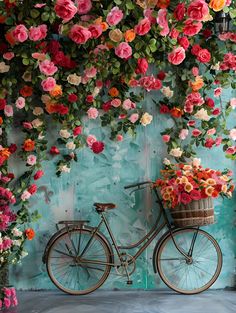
{"points": [[102, 178]]}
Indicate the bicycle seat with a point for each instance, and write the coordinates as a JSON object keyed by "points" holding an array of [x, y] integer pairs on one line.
{"points": [[101, 207]]}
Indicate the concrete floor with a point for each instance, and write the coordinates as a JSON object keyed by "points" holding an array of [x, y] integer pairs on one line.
{"points": [[126, 302]]}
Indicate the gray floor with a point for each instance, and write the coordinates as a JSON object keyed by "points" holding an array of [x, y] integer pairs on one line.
{"points": [[126, 302]]}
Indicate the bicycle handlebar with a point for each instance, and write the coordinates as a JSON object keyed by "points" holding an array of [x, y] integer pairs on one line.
{"points": [[138, 184]]}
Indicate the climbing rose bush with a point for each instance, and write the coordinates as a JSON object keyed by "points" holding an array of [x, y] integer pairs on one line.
{"points": [[64, 63]]}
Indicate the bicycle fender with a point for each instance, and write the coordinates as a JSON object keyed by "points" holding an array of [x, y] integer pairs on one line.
{"points": [[65, 229]]}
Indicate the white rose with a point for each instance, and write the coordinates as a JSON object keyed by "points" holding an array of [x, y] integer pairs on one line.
{"points": [[202, 115], [196, 162], [64, 133], [167, 92], [74, 79], [4, 68], [176, 152], [166, 161], [17, 242], [96, 91], [24, 254], [40, 136], [146, 119], [216, 66], [16, 232], [38, 111], [70, 145], [64, 168], [37, 123]]}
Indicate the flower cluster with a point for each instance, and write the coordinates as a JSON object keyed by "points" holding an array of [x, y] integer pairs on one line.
{"points": [[183, 183], [8, 297]]}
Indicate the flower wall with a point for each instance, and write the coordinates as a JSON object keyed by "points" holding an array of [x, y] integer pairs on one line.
{"points": [[65, 63]]}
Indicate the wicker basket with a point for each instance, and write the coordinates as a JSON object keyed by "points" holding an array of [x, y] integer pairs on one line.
{"points": [[196, 213]]}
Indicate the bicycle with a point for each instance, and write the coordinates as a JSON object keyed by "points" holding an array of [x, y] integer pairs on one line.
{"points": [[79, 257]]}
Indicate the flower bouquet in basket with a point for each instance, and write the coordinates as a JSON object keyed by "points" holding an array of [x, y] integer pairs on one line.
{"points": [[189, 189]]}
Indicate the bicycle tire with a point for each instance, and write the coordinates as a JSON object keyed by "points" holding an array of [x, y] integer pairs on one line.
{"points": [[71, 260], [161, 259]]}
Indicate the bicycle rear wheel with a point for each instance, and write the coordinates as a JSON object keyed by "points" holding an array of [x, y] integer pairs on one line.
{"points": [[189, 277], [77, 263]]}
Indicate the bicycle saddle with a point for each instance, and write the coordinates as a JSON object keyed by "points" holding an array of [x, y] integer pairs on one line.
{"points": [[101, 207]]}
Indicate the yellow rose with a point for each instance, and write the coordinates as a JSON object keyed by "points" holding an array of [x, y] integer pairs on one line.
{"points": [[217, 5], [74, 79], [146, 119], [116, 35]]}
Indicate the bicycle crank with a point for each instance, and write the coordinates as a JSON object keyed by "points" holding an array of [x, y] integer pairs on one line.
{"points": [[127, 265]]}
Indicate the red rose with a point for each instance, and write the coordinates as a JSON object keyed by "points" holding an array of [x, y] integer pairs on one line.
{"points": [[53, 46], [12, 148], [161, 75], [54, 150], [197, 10], [10, 175], [191, 27], [204, 56], [191, 123], [106, 106], [184, 42], [26, 91], [32, 189], [62, 109], [89, 98], [164, 109], [216, 111], [142, 66], [210, 102], [207, 33], [97, 147], [3, 103], [185, 198], [65, 9], [38, 174], [177, 56], [72, 98], [195, 49], [179, 12], [95, 30], [77, 131], [143, 27], [209, 143], [196, 132]]}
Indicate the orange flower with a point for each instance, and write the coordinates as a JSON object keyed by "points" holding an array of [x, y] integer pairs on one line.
{"points": [[114, 92], [51, 107], [26, 91], [217, 5], [163, 4], [197, 84], [5, 153], [109, 45], [129, 35], [29, 232], [176, 112], [104, 26], [56, 92], [1, 120], [29, 145]]}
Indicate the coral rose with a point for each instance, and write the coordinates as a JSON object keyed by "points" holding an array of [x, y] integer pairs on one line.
{"points": [[38, 33], [217, 5], [95, 30], [79, 34], [191, 28], [123, 50], [177, 56], [142, 66], [197, 10], [29, 145], [113, 92], [143, 27], [65, 9], [129, 35], [29, 232], [204, 56]]}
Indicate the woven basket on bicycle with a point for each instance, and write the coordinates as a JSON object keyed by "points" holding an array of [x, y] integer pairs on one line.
{"points": [[196, 213]]}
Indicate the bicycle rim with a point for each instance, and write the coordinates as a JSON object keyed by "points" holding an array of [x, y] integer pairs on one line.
{"points": [[184, 277], [72, 276]]}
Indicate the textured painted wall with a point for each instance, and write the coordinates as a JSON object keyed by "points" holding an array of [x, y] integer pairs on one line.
{"points": [[102, 178]]}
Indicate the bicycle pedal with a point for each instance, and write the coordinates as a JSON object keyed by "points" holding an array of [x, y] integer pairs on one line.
{"points": [[129, 282]]}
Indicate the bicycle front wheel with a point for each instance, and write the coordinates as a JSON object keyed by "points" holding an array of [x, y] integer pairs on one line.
{"points": [[189, 276], [79, 262]]}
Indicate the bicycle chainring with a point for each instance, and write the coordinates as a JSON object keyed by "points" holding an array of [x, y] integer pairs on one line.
{"points": [[127, 265]]}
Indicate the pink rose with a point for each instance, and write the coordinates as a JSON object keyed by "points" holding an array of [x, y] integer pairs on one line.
{"points": [[185, 198], [114, 16], [7, 302], [47, 68], [166, 138], [194, 99], [179, 12], [174, 34], [8, 110], [197, 10], [119, 137], [90, 72], [177, 56], [134, 117], [183, 134], [79, 34], [184, 42], [116, 102], [38, 33], [211, 131], [39, 5], [196, 132], [92, 113], [204, 56], [27, 125], [20, 33], [162, 22], [25, 195], [149, 14], [195, 194], [230, 150], [123, 50], [195, 71], [142, 66], [191, 27], [191, 123], [195, 49], [216, 111], [128, 104], [143, 27], [31, 159], [233, 103], [65, 9], [84, 6], [218, 141], [14, 301], [90, 140], [217, 92], [77, 131], [8, 56], [38, 174], [48, 84], [7, 292], [95, 30], [20, 103]]}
